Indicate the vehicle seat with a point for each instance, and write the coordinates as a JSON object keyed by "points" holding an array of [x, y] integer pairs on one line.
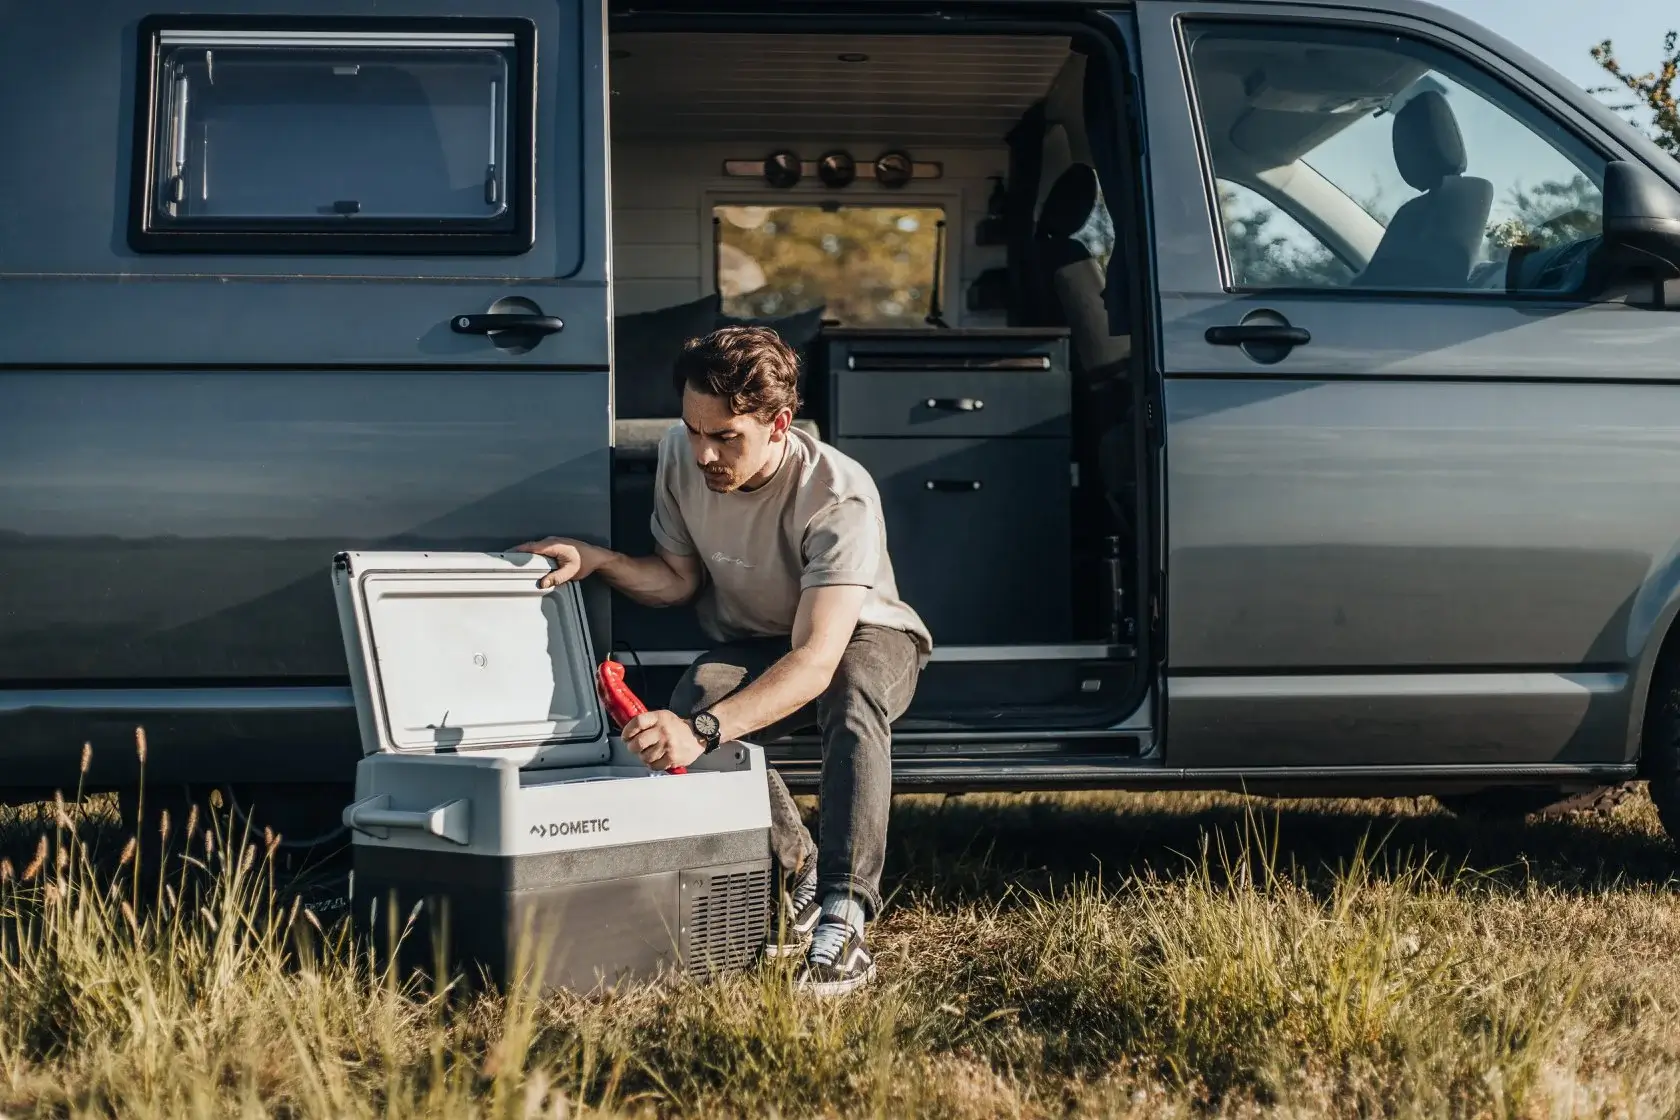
{"points": [[1101, 360], [1434, 237], [1076, 278]]}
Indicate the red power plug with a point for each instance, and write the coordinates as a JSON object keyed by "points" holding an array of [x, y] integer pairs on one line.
{"points": [[622, 705]]}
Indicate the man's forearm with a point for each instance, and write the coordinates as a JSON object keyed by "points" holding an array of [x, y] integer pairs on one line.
{"points": [[646, 579], [787, 686]]}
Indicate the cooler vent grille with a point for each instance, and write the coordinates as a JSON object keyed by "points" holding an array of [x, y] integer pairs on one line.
{"points": [[726, 921]]}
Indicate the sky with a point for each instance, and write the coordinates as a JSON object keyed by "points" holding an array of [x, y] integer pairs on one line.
{"points": [[1563, 32]]}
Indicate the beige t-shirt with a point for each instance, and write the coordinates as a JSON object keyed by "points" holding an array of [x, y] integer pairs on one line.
{"points": [[816, 523]]}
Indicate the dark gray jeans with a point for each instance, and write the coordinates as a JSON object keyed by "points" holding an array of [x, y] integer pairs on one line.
{"points": [[871, 688]]}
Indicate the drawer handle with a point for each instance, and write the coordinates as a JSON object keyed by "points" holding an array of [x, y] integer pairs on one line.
{"points": [[954, 485], [956, 404], [898, 363]]}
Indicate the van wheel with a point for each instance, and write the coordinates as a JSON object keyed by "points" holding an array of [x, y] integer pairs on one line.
{"points": [[1660, 745], [1501, 803]]}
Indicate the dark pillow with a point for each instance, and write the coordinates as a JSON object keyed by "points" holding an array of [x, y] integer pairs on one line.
{"points": [[645, 349], [798, 330]]}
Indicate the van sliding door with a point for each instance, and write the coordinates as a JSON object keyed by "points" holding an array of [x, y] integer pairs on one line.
{"points": [[277, 287]]}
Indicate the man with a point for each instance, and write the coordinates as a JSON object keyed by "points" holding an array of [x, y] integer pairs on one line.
{"points": [[780, 539]]}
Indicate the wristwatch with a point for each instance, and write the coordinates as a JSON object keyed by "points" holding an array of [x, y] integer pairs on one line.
{"points": [[706, 729]]}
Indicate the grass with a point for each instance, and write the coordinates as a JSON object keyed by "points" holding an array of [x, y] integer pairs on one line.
{"points": [[1090, 954]]}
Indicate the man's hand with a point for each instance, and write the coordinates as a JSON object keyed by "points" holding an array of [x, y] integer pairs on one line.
{"points": [[573, 559], [663, 739]]}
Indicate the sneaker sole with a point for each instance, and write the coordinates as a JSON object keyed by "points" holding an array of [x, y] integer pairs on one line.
{"points": [[839, 987]]}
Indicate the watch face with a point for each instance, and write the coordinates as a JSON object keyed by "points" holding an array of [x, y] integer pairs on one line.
{"points": [[706, 725]]}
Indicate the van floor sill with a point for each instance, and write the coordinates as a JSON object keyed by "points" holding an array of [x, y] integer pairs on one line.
{"points": [[1039, 721], [965, 772], [968, 772]]}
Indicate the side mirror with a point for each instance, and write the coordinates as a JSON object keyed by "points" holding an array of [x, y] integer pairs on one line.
{"points": [[1641, 215]]}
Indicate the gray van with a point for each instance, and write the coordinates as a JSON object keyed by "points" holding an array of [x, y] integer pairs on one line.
{"points": [[1267, 395]]}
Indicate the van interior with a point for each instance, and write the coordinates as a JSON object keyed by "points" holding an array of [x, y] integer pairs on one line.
{"points": [[920, 216]]}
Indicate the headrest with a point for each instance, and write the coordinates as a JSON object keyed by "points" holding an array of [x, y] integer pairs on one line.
{"points": [[1427, 143], [1069, 204], [1055, 158]]}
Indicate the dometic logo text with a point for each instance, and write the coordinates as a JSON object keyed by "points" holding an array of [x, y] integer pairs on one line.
{"points": [[572, 828]]}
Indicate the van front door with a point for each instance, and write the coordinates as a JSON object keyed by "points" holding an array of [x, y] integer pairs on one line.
{"points": [[276, 287], [1403, 444]]}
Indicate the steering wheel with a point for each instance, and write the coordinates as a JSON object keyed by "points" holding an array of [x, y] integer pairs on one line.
{"points": [[1576, 219]]}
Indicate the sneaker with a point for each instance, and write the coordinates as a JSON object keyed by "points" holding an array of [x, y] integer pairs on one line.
{"points": [[838, 961], [798, 916]]}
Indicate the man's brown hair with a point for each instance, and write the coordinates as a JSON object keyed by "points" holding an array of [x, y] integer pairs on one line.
{"points": [[750, 367]]}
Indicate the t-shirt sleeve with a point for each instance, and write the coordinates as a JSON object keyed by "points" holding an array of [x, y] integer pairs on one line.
{"points": [[842, 546], [670, 531]]}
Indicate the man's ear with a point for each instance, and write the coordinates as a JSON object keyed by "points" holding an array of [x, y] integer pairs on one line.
{"points": [[782, 421]]}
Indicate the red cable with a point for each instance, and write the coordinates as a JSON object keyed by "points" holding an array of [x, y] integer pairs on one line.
{"points": [[622, 705]]}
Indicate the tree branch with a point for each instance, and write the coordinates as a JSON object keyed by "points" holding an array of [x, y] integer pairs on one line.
{"points": [[1655, 90]]}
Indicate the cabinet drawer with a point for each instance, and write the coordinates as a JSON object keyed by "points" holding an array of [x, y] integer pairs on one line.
{"points": [[979, 533], [951, 403]]}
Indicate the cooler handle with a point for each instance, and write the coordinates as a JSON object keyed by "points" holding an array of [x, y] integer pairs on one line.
{"points": [[450, 821]]}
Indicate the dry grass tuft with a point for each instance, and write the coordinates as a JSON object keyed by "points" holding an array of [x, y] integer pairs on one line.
{"points": [[1112, 955]]}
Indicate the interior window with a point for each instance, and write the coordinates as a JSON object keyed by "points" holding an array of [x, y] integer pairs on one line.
{"points": [[1270, 249], [864, 265], [1448, 179]]}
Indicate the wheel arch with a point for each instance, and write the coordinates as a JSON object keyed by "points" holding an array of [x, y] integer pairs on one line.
{"points": [[1653, 646]]}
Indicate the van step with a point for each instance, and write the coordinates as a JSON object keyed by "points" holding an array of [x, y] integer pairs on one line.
{"points": [[1005, 772]]}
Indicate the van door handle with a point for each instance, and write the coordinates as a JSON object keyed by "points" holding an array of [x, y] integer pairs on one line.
{"points": [[956, 404], [506, 321], [1245, 334]]}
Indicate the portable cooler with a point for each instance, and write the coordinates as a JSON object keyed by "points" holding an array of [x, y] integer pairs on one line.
{"points": [[494, 803]]}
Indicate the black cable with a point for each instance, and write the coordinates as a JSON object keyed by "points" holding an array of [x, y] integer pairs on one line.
{"points": [[641, 670]]}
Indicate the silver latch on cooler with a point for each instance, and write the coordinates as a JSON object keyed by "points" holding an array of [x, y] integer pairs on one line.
{"points": [[374, 816]]}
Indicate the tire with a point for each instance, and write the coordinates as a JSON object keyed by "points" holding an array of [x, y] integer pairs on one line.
{"points": [[1660, 744]]}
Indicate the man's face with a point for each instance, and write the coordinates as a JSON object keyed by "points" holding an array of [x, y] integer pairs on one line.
{"points": [[733, 451]]}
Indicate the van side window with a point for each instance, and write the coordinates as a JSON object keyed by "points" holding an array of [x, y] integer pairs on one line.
{"points": [[317, 139], [1413, 170], [1269, 248]]}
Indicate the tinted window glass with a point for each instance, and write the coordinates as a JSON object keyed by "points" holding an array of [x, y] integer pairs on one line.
{"points": [[324, 132], [1268, 248], [1441, 172]]}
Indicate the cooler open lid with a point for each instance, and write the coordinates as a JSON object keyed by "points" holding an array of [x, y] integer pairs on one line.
{"points": [[462, 652]]}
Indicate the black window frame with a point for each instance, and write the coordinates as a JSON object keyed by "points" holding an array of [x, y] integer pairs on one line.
{"points": [[509, 235]]}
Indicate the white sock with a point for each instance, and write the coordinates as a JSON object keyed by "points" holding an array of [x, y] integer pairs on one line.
{"points": [[844, 907]]}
